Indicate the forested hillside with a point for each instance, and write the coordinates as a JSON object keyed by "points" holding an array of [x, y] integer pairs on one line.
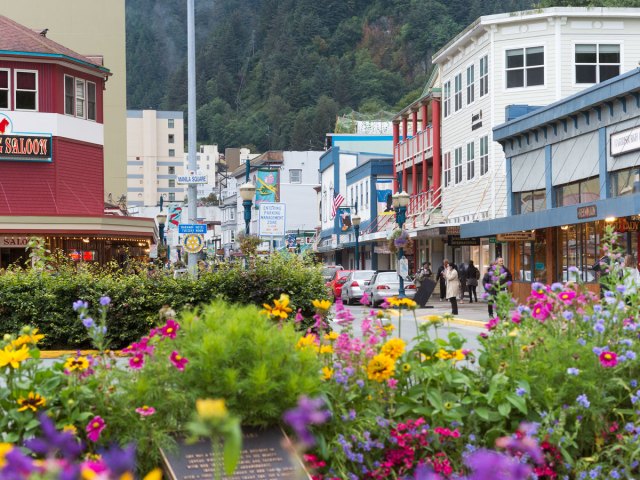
{"points": [[274, 74]]}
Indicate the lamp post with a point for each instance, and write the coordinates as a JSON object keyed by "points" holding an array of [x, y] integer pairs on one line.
{"points": [[247, 192], [400, 202], [162, 220], [355, 220]]}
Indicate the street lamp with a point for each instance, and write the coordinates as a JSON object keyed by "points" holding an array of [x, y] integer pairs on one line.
{"points": [[355, 221], [247, 192], [400, 202], [162, 220]]}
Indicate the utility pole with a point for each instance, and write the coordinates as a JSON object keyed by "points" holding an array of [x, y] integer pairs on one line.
{"points": [[192, 191]]}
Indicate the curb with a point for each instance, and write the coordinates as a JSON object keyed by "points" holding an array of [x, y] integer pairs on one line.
{"points": [[54, 354], [458, 321]]}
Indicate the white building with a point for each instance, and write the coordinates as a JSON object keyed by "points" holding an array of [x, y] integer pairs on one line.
{"points": [[535, 58], [207, 157]]}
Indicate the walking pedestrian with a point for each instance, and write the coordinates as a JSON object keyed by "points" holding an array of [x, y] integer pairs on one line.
{"points": [[462, 276], [473, 275], [489, 288], [452, 286], [442, 281]]}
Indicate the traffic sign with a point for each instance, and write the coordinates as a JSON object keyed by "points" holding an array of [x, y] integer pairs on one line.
{"points": [[193, 243], [192, 228], [193, 178]]}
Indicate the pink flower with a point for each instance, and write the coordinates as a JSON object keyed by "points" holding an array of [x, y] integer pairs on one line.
{"points": [[491, 324], [137, 361], [516, 318], [567, 296], [178, 361], [145, 410], [299, 316], [540, 311], [170, 329], [608, 359], [94, 428], [393, 383], [365, 299]]}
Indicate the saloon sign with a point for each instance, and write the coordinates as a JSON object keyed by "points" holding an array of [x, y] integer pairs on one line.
{"points": [[25, 147]]}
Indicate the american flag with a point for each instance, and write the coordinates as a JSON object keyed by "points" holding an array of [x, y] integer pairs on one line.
{"points": [[337, 201]]}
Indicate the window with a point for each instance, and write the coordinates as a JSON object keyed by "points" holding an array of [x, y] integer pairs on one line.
{"points": [[172, 138], [172, 170], [170, 122], [91, 101], [525, 67], [484, 155], [583, 191], [232, 214], [80, 97], [4, 88], [579, 246], [596, 63], [527, 202], [69, 95], [26, 94], [484, 75], [447, 169], [471, 160], [233, 236], [172, 152], [172, 197], [361, 195], [471, 87], [625, 182], [458, 92], [447, 99], [458, 165], [295, 176], [366, 193], [172, 183]]}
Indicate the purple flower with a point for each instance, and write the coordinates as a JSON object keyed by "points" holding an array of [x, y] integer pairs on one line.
{"points": [[308, 412], [120, 460], [88, 322], [487, 464], [104, 301], [583, 400], [77, 305], [520, 391], [53, 441], [572, 371], [18, 466]]}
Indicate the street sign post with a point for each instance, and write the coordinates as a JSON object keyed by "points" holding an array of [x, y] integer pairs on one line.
{"points": [[186, 228], [192, 178], [271, 219]]}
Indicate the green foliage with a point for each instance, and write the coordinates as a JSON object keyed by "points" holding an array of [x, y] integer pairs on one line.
{"points": [[44, 300]]}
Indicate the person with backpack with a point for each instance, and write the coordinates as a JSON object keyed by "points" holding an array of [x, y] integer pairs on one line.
{"points": [[473, 275]]}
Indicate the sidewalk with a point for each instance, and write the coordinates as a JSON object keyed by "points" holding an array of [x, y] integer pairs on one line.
{"points": [[473, 314]]}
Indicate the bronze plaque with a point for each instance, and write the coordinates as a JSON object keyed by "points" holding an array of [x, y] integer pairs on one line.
{"points": [[263, 458]]}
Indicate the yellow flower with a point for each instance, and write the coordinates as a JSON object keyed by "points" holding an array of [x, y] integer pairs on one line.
{"points": [[393, 348], [280, 307], [326, 349], [33, 402], [380, 368], [327, 373], [401, 302], [393, 301], [30, 338], [389, 328], [155, 474], [331, 336], [458, 355], [321, 304], [127, 476], [76, 363], [308, 340], [448, 405], [406, 367], [13, 358], [513, 333], [407, 302], [433, 318], [443, 354], [88, 474], [210, 409], [70, 429], [4, 449]]}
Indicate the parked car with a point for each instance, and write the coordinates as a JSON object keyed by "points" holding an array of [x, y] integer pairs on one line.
{"points": [[329, 270], [337, 281], [354, 284], [387, 284]]}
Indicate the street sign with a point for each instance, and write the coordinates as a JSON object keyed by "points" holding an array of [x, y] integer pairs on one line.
{"points": [[403, 267], [271, 219], [187, 228], [193, 243], [153, 251], [194, 178]]}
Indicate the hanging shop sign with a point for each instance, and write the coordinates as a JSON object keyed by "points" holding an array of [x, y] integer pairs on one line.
{"points": [[22, 147], [193, 243], [625, 141], [454, 241], [516, 237], [588, 211], [13, 242]]}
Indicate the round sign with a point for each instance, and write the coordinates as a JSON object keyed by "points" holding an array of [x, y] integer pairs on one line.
{"points": [[193, 243]]}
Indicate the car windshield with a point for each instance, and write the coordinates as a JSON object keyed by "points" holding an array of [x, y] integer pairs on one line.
{"points": [[364, 274], [387, 277], [343, 273]]}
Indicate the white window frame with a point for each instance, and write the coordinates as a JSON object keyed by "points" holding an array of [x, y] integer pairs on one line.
{"points": [[170, 123], [484, 159], [457, 92], [457, 166], [471, 160], [471, 84], [446, 89], [525, 67], [8, 90], [597, 43], [446, 169], [15, 90], [483, 75], [291, 179], [80, 82]]}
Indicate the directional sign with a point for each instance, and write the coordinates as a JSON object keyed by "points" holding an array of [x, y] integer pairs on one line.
{"points": [[193, 243], [193, 178], [192, 228]]}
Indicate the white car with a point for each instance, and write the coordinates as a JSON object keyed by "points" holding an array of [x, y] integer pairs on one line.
{"points": [[354, 286], [386, 284]]}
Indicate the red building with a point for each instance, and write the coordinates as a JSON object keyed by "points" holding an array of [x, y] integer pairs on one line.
{"points": [[51, 153]]}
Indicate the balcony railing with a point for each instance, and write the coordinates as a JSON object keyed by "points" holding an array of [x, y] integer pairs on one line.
{"points": [[422, 208], [416, 146]]}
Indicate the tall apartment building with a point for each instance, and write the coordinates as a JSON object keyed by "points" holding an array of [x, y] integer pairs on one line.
{"points": [[155, 156], [90, 27]]}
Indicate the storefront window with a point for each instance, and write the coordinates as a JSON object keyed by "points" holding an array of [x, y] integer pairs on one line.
{"points": [[584, 191], [533, 261], [625, 182], [579, 246], [527, 202]]}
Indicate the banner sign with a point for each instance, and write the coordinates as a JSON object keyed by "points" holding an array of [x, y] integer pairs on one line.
{"points": [[271, 219], [175, 215], [384, 192], [344, 219], [267, 182], [192, 228], [28, 147]]}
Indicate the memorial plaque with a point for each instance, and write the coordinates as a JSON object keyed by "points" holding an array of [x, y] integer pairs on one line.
{"points": [[263, 458]]}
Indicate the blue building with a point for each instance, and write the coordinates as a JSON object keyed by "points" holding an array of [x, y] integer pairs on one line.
{"points": [[572, 167]]}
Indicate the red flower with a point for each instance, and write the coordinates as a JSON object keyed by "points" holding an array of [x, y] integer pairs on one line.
{"points": [[178, 360], [170, 329], [608, 359]]}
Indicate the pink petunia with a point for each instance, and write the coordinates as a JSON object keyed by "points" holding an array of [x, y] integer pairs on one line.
{"points": [[608, 359], [170, 329], [94, 428], [145, 410], [541, 311], [365, 299], [178, 360], [491, 324], [567, 296], [137, 361], [393, 383]]}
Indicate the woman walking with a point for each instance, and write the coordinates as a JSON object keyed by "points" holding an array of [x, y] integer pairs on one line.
{"points": [[453, 285], [473, 275]]}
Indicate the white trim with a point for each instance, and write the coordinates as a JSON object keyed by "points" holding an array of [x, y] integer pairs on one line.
{"points": [[80, 82], [596, 42], [15, 89], [9, 80], [461, 92], [58, 125], [461, 148]]}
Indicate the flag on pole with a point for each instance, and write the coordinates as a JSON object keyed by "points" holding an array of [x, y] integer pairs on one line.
{"points": [[337, 201]]}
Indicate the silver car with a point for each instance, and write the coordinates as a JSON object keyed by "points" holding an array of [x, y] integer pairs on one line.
{"points": [[386, 284], [353, 288]]}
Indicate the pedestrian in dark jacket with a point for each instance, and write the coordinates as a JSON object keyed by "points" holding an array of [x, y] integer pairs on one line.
{"points": [[489, 287], [473, 275], [442, 281]]}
